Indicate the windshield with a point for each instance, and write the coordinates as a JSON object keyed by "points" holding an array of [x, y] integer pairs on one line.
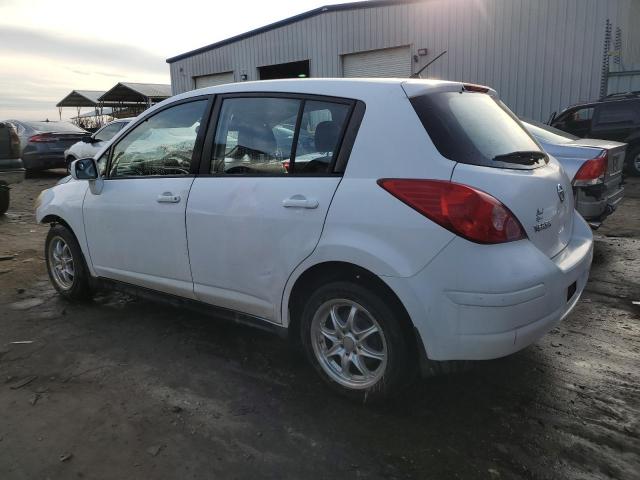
{"points": [[54, 127], [546, 133], [471, 127]]}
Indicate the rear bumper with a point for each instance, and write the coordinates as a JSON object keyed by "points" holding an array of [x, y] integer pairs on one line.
{"points": [[477, 302], [596, 208], [43, 161]]}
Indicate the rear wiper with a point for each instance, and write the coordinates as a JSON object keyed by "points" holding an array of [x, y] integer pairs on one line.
{"points": [[523, 157]]}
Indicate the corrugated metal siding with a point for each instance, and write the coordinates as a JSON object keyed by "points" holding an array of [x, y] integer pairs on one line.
{"points": [[541, 55], [620, 82], [389, 62]]}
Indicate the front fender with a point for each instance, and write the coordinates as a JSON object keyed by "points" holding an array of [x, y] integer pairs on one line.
{"points": [[64, 202]]}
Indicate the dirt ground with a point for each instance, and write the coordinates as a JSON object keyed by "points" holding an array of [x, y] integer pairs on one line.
{"points": [[126, 389]]}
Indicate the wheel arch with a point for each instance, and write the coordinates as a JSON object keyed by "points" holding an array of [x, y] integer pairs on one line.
{"points": [[331, 271], [56, 219], [52, 219]]}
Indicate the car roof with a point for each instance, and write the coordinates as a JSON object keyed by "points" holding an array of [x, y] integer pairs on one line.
{"points": [[366, 89], [348, 87], [628, 97]]}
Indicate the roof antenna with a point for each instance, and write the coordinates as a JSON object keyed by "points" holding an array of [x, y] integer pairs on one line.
{"points": [[418, 74]]}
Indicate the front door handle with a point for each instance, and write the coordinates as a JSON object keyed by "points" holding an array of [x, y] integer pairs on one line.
{"points": [[300, 201], [168, 197]]}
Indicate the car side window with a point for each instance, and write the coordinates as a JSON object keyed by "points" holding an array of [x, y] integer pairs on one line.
{"points": [[161, 145], [615, 112], [108, 132], [319, 136], [254, 136]]}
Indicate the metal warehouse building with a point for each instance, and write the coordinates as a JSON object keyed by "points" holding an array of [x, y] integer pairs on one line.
{"points": [[541, 55]]}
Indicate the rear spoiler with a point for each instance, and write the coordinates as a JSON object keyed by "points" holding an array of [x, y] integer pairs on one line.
{"points": [[416, 88]]}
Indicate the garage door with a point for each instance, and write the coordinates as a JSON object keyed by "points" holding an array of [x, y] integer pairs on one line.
{"points": [[390, 62], [216, 79]]}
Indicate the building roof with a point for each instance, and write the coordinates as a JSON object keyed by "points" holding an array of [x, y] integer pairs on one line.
{"points": [[136, 92], [81, 98], [287, 21]]}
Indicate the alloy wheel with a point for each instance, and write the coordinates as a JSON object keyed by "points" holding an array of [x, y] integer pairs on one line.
{"points": [[349, 344], [61, 263]]}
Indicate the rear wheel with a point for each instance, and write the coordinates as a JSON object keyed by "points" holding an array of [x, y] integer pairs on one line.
{"points": [[65, 264], [4, 199], [356, 342], [634, 160]]}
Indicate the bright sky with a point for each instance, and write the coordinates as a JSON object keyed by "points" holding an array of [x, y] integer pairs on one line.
{"points": [[48, 48]]}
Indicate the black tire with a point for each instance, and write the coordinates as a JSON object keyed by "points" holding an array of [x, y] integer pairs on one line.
{"points": [[4, 199], [399, 368], [79, 288], [633, 160]]}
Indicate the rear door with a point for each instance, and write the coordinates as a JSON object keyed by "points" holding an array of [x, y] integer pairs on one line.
{"points": [[494, 153], [616, 120], [258, 207]]}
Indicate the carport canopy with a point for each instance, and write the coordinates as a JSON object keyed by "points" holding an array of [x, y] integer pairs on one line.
{"points": [[81, 98], [126, 92]]}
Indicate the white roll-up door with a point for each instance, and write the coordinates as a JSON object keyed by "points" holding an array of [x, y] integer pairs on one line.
{"points": [[215, 79], [389, 62]]}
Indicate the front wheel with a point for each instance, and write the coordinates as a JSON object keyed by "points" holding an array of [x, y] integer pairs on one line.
{"points": [[65, 264], [356, 342], [634, 161]]}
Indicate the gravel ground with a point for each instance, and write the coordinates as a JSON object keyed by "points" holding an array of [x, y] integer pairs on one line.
{"points": [[123, 388]]}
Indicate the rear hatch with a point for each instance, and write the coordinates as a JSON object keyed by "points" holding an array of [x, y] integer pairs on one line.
{"points": [[493, 152]]}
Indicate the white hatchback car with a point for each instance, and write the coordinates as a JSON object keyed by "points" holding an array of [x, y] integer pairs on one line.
{"points": [[90, 145], [385, 224]]}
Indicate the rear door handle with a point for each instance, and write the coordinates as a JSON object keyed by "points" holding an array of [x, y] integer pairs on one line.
{"points": [[168, 197], [300, 201]]}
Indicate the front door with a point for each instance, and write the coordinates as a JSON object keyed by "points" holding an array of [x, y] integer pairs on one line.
{"points": [[135, 225], [259, 210]]}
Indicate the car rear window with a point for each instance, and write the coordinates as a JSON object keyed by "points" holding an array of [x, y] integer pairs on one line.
{"points": [[473, 128], [547, 133], [54, 127]]}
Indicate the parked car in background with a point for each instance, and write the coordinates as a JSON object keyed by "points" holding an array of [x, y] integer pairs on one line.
{"points": [[615, 117], [11, 170], [92, 144], [42, 144], [594, 166], [431, 228]]}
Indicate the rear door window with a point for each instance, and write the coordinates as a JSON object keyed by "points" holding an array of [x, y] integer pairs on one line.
{"points": [[616, 113], [473, 128], [277, 136]]}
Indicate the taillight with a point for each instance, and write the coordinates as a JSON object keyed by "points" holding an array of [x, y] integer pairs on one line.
{"points": [[465, 211], [42, 138], [592, 171], [472, 87]]}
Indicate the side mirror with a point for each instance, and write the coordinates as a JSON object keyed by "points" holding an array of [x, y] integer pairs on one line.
{"points": [[84, 169], [88, 139]]}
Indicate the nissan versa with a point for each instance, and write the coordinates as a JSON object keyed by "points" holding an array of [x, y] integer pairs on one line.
{"points": [[385, 224]]}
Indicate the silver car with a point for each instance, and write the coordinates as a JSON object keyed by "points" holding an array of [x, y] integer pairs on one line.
{"points": [[42, 144], [595, 167]]}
